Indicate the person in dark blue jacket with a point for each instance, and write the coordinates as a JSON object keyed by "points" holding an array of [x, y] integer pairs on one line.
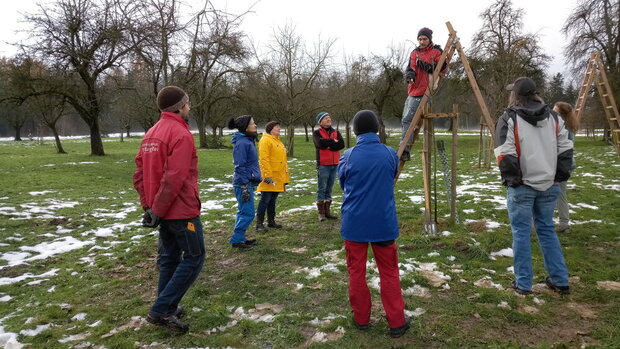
{"points": [[366, 173], [246, 177]]}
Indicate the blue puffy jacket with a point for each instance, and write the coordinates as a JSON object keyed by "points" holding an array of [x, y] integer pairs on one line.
{"points": [[366, 173], [245, 160]]}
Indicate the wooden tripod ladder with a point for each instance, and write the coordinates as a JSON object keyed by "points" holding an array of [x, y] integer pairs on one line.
{"points": [[452, 45], [595, 73]]}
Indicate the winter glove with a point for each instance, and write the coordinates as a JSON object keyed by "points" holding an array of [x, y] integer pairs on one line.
{"points": [[150, 219], [268, 180], [427, 67], [245, 194], [410, 77]]}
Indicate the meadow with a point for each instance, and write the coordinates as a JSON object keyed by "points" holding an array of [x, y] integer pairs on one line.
{"points": [[77, 270]]}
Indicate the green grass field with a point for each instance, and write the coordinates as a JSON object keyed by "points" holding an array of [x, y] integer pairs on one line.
{"points": [[78, 271]]}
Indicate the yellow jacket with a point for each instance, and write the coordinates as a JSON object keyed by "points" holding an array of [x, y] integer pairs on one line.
{"points": [[272, 163]]}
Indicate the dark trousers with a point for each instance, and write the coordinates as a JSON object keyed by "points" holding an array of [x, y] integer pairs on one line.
{"points": [[267, 203], [386, 258], [180, 257]]}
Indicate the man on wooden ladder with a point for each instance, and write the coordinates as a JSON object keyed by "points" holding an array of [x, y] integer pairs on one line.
{"points": [[422, 62]]}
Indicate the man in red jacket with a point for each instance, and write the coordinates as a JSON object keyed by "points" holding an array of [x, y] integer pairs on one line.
{"points": [[328, 143], [422, 62], [166, 179]]}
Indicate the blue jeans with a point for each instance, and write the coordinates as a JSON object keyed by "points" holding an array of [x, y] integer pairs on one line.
{"points": [[523, 204], [267, 203], [411, 105], [180, 257], [245, 214], [327, 177]]}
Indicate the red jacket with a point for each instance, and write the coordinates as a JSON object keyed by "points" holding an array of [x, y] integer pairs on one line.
{"points": [[166, 177], [327, 152], [430, 54]]}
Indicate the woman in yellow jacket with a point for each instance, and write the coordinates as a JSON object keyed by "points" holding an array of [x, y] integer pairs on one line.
{"points": [[274, 171]]}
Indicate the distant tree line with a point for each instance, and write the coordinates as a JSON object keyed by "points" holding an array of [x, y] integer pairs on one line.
{"points": [[103, 62]]}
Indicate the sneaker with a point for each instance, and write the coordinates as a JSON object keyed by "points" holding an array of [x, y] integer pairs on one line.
{"points": [[559, 289], [241, 245], [261, 227], [399, 331], [513, 285], [251, 242], [172, 322], [361, 327]]}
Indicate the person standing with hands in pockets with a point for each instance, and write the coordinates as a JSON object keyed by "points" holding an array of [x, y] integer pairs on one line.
{"points": [[328, 143]]}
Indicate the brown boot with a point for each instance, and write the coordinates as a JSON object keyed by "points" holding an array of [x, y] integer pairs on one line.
{"points": [[328, 215], [321, 206]]}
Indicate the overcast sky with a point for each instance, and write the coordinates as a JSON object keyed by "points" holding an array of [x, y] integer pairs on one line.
{"points": [[363, 27]]}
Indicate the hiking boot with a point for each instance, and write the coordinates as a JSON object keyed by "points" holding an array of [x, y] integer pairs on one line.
{"points": [[328, 215], [271, 222], [321, 206], [241, 245], [172, 322], [563, 228], [260, 224], [251, 242], [180, 312], [559, 289], [399, 331], [361, 327], [513, 285]]}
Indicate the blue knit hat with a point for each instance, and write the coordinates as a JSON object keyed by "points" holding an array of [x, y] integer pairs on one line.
{"points": [[320, 116]]}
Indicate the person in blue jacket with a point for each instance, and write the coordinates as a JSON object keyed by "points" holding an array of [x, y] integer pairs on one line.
{"points": [[366, 173], [246, 177]]}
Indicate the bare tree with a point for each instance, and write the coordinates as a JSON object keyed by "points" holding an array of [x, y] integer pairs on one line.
{"points": [[86, 38], [501, 52], [217, 52], [594, 26], [290, 71]]}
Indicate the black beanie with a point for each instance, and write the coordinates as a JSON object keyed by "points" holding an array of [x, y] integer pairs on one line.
{"points": [[270, 125], [426, 32], [240, 122], [365, 121], [171, 99]]}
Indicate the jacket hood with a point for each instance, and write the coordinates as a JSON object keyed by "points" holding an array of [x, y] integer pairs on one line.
{"points": [[237, 136], [532, 112]]}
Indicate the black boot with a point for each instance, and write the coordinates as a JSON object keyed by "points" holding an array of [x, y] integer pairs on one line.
{"points": [[328, 215], [260, 224], [271, 221]]}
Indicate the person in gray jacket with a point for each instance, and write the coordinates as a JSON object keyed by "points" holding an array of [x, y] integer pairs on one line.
{"points": [[534, 155]]}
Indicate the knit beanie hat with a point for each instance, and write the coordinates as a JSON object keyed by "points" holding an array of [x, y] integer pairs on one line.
{"points": [[365, 121], [270, 125], [240, 122], [523, 87], [320, 116], [171, 99], [426, 32]]}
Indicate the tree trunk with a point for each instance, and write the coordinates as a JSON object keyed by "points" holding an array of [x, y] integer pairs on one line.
{"points": [[18, 133], [128, 129], [306, 130], [202, 131], [59, 148], [290, 140], [382, 134], [96, 145], [347, 132]]}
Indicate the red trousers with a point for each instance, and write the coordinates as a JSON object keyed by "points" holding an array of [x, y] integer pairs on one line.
{"points": [[386, 258]]}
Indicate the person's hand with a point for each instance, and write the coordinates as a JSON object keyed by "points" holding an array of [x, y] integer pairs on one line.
{"points": [[245, 194], [410, 77], [268, 180], [150, 219]]}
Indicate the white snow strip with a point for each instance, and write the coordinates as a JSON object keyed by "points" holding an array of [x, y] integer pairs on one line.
{"points": [[9, 280], [505, 252], [43, 192], [35, 331]]}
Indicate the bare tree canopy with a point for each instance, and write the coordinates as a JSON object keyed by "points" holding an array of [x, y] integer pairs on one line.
{"points": [[85, 38]]}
